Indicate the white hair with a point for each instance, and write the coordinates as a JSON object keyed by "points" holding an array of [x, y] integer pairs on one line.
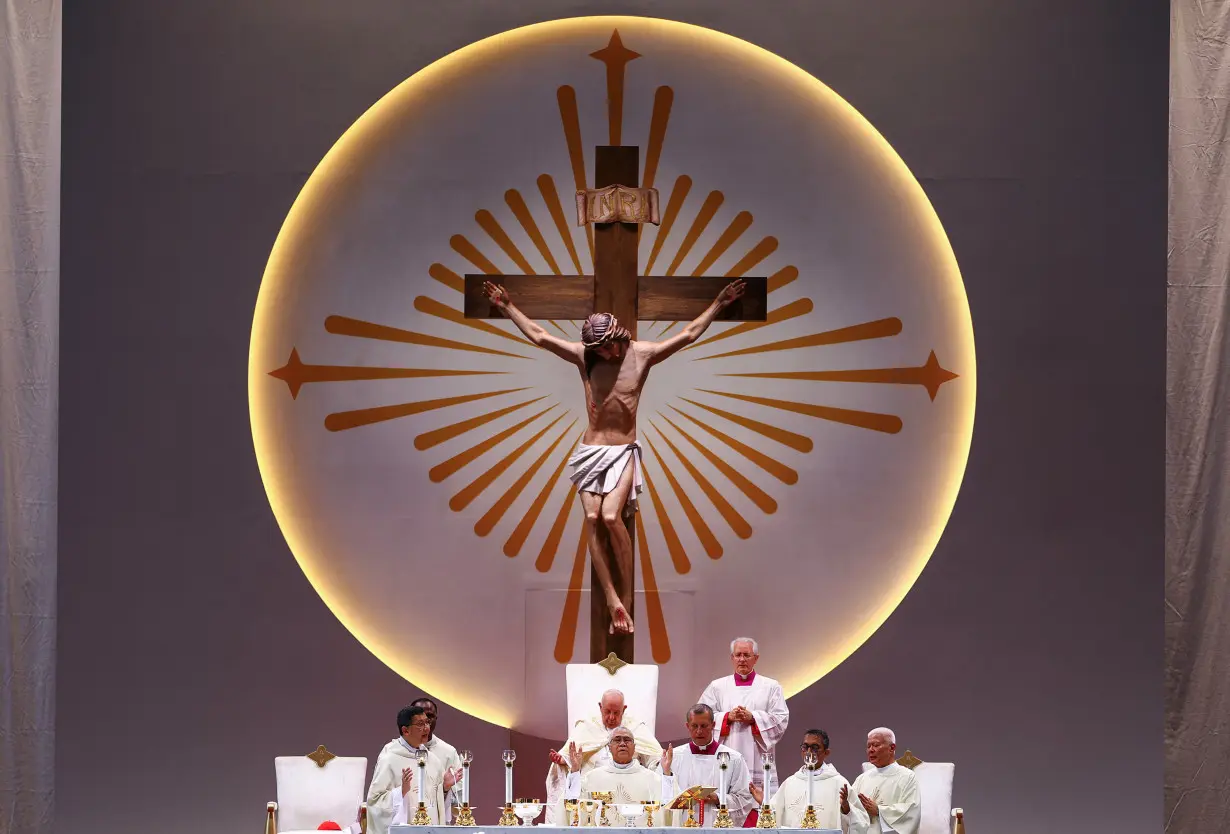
{"points": [[611, 733], [737, 640], [613, 693], [888, 734]]}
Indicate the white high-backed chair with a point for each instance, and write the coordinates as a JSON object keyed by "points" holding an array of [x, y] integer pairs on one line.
{"points": [[935, 790], [587, 682], [317, 787]]}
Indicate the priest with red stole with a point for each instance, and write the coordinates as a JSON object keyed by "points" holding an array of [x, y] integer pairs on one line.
{"points": [[749, 710]]}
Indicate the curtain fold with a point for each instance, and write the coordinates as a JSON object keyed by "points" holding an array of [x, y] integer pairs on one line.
{"points": [[30, 39], [1197, 594]]}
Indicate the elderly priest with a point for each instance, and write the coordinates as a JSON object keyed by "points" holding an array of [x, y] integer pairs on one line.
{"points": [[591, 737], [827, 785], [888, 792], [627, 780], [697, 765]]}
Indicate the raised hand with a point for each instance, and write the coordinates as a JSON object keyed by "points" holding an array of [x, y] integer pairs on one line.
{"points": [[873, 810], [407, 780], [574, 757], [732, 293], [451, 777], [757, 794], [668, 758], [497, 295], [844, 795], [555, 756]]}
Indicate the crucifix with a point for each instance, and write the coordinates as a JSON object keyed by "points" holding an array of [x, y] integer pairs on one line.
{"points": [[616, 288]]}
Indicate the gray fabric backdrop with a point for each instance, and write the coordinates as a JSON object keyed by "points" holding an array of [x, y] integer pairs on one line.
{"points": [[1197, 415], [29, 398]]}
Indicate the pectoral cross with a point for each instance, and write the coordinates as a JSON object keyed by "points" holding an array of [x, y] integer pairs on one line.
{"points": [[615, 288]]}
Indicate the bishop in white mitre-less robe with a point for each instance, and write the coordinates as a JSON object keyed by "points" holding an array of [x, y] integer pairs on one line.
{"points": [[694, 766], [895, 790], [763, 698], [789, 804], [385, 804], [631, 782], [590, 737]]}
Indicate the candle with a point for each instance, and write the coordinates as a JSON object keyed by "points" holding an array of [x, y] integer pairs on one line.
{"points": [[422, 757], [723, 758], [509, 757], [811, 773], [466, 757]]}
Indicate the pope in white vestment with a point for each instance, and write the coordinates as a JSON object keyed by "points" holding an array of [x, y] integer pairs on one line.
{"points": [[591, 739], [789, 804], [749, 710], [697, 764], [888, 791]]}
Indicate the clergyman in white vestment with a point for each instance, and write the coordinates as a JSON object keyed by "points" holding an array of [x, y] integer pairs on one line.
{"points": [[591, 738], [444, 751], [750, 710], [889, 793], [627, 779], [789, 804], [697, 765], [393, 794]]}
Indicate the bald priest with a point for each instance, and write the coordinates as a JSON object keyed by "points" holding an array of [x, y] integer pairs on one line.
{"points": [[591, 738]]}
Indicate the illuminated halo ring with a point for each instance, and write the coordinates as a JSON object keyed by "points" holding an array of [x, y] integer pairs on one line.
{"points": [[413, 458]]}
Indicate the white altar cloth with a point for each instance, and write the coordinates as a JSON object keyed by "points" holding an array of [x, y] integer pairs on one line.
{"points": [[547, 829]]}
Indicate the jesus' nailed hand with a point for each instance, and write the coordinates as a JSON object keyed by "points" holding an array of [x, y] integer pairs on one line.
{"points": [[613, 370]]}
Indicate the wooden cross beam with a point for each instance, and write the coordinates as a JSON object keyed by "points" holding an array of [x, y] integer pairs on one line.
{"points": [[615, 288]]}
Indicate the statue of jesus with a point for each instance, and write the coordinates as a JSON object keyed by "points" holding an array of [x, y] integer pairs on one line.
{"points": [[606, 466]]}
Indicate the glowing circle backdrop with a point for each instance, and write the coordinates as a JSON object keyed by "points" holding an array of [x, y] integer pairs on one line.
{"points": [[414, 459]]}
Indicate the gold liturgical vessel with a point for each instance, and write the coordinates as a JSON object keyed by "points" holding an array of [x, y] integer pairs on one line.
{"points": [[420, 815], [507, 817], [809, 816], [766, 818], [465, 814], [723, 816], [603, 798]]}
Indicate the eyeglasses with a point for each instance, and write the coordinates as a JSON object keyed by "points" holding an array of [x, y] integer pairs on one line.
{"points": [[420, 724], [622, 740], [815, 748]]}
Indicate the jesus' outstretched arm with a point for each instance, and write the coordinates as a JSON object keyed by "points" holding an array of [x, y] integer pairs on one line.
{"points": [[536, 333], [729, 295]]}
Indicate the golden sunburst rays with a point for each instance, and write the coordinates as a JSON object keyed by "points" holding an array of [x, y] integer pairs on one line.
{"points": [[721, 451]]}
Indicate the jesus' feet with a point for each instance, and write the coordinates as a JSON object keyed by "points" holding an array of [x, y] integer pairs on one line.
{"points": [[621, 623]]}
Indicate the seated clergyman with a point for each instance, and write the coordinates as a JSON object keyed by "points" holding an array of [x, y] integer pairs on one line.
{"points": [[888, 792], [789, 804], [591, 737], [627, 780]]}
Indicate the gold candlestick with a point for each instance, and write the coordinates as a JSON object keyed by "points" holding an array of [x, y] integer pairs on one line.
{"points": [[767, 818], [809, 818], [571, 816], [723, 818], [465, 815], [420, 816], [650, 807], [508, 817], [691, 822]]}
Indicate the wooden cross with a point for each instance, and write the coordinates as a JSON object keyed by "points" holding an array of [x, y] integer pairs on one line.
{"points": [[615, 288]]}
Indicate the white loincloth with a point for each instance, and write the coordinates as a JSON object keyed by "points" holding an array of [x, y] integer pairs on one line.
{"points": [[598, 469]]}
